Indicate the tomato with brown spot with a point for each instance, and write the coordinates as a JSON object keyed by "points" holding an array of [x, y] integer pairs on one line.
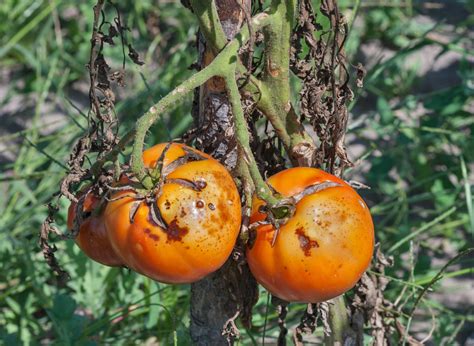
{"points": [[323, 249], [92, 237], [198, 239]]}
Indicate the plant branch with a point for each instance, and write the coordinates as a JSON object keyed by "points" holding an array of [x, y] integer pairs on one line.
{"points": [[149, 118], [276, 100], [209, 23], [243, 138], [339, 322]]}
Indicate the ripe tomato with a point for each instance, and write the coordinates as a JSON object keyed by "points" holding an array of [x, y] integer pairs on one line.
{"points": [[92, 237], [200, 208], [323, 249]]}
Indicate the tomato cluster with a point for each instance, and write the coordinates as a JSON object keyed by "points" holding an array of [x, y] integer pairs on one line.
{"points": [[189, 224], [185, 232]]}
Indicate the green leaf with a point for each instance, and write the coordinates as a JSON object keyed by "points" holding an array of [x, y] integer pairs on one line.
{"points": [[63, 306], [385, 111]]}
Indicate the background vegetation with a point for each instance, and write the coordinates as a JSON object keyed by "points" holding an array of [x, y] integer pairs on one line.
{"points": [[410, 135]]}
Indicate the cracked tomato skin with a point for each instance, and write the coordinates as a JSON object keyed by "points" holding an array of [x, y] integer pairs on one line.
{"points": [[202, 225], [92, 238], [323, 249]]}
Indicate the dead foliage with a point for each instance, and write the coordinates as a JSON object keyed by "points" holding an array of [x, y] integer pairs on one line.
{"points": [[325, 77], [101, 137]]}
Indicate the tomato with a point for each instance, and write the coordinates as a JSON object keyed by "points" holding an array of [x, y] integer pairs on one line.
{"points": [[325, 246], [200, 208], [92, 237]]}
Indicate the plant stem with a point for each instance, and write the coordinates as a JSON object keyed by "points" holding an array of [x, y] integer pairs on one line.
{"points": [[243, 138], [275, 102], [149, 118], [339, 322], [206, 13]]}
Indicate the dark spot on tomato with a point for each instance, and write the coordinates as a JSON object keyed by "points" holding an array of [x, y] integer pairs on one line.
{"points": [[151, 235], [305, 242], [199, 204], [174, 232], [212, 231], [211, 206], [167, 204], [201, 184], [183, 213]]}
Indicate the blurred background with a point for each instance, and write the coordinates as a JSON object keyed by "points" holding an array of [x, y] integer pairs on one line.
{"points": [[410, 135]]}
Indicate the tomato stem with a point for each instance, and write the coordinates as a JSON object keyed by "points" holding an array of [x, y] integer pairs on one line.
{"points": [[150, 117]]}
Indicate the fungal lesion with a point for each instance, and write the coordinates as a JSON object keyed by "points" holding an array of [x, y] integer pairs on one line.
{"points": [[151, 235], [306, 243], [174, 232]]}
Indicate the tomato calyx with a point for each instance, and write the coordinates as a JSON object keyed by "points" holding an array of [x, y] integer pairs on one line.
{"points": [[160, 171], [279, 214], [159, 174]]}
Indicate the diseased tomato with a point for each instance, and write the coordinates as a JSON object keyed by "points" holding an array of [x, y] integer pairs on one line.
{"points": [[194, 227], [92, 237], [323, 249]]}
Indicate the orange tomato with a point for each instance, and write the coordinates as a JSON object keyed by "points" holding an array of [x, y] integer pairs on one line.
{"points": [[323, 249], [202, 224], [92, 237]]}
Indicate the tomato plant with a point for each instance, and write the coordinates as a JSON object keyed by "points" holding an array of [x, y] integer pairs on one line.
{"points": [[92, 237], [189, 227], [323, 248]]}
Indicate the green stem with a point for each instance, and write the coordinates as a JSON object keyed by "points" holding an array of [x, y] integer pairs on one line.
{"points": [[206, 13], [149, 118], [339, 322], [212, 30], [243, 138], [275, 102], [223, 65]]}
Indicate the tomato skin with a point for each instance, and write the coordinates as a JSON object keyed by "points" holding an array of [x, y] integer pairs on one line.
{"points": [[92, 238], [202, 225], [324, 248]]}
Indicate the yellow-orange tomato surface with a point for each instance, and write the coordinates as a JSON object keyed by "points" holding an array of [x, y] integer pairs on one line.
{"points": [[324, 248], [92, 237], [202, 225]]}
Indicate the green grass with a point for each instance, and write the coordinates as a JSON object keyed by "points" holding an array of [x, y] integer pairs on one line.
{"points": [[419, 153]]}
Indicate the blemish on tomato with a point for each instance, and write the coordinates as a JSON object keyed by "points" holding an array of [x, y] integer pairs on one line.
{"points": [[212, 231], [211, 206], [201, 184], [224, 212], [199, 204], [306, 244], [151, 235], [167, 205], [183, 213], [174, 232]]}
